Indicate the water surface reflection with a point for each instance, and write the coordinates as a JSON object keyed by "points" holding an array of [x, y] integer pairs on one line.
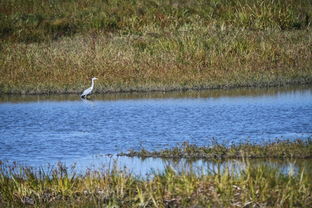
{"points": [[149, 166], [37, 130]]}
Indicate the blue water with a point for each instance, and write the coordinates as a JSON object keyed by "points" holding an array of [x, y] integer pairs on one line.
{"points": [[38, 130]]}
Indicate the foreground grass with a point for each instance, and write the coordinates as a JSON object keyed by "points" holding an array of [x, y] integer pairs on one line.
{"points": [[260, 186], [56, 47], [279, 149]]}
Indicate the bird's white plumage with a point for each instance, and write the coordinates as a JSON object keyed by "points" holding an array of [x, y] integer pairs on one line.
{"points": [[89, 90]]}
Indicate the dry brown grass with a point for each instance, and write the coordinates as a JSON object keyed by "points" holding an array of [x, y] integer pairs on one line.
{"points": [[201, 59], [153, 45]]}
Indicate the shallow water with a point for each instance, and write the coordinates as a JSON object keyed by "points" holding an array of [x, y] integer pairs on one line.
{"points": [[37, 130], [149, 166]]}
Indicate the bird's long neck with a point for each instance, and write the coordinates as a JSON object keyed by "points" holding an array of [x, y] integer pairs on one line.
{"points": [[92, 85]]}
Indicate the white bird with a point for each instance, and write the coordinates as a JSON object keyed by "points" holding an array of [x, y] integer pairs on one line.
{"points": [[89, 90]]}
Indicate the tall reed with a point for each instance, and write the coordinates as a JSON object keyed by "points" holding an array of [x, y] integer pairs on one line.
{"points": [[260, 186]]}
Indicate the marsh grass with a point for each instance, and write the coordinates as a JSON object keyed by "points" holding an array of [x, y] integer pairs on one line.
{"points": [[185, 61], [280, 149], [37, 20], [261, 186], [56, 46]]}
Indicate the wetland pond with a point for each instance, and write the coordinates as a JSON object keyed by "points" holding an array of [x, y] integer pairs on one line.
{"points": [[41, 130]]}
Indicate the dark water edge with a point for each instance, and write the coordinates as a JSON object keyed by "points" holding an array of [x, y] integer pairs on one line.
{"points": [[204, 93]]}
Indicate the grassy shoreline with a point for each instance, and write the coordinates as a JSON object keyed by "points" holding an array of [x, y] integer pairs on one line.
{"points": [[253, 186], [53, 69], [153, 45], [261, 186], [56, 90], [283, 149]]}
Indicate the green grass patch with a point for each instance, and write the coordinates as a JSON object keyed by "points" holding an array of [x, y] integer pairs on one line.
{"points": [[37, 20], [278, 150], [260, 186]]}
